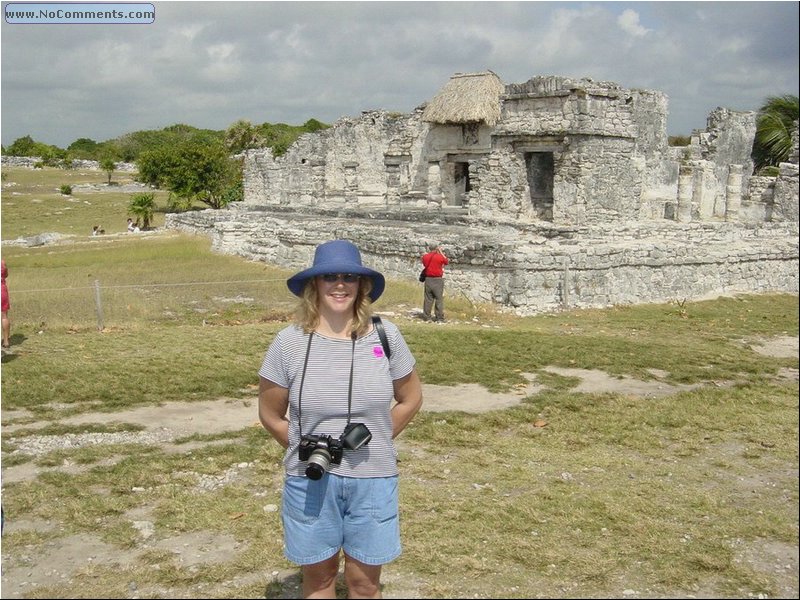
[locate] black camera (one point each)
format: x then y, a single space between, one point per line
322 450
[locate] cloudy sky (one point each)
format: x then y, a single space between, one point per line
208 64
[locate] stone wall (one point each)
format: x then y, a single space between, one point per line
499 187
335 167
785 197
608 147
526 268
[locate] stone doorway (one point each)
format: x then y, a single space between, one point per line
462 184
540 170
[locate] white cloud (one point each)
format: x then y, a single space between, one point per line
223 63
629 23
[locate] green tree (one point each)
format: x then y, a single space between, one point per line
142 207
27 146
279 136
130 146
153 166
774 124
84 148
24 146
194 170
203 172
313 125
109 166
242 136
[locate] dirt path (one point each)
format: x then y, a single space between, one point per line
177 419
173 420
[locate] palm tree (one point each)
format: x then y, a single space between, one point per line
109 166
142 207
242 136
774 125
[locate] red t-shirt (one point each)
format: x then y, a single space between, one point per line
434 261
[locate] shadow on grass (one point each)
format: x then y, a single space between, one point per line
291 586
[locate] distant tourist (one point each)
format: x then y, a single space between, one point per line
133 227
97 230
6 307
434 262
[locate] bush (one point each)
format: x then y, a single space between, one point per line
178 204
142 207
679 140
66 190
769 171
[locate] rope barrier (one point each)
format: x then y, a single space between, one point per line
153 285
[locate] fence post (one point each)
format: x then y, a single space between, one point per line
98 304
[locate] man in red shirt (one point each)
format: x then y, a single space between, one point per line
434 262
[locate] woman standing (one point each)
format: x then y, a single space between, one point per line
6 307
332 373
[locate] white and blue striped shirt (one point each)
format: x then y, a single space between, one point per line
325 391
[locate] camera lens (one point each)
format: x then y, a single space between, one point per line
318 463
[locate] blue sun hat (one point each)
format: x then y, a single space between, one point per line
337 256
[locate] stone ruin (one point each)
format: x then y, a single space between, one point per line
550 194
32 162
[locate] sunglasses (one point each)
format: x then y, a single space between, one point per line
334 277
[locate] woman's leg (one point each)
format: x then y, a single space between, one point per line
319 579
363 581
6 330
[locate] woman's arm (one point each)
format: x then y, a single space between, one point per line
273 400
408 398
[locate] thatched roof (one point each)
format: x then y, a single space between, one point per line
467 98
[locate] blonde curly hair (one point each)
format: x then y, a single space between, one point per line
307 311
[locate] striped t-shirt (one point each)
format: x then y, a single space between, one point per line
325 391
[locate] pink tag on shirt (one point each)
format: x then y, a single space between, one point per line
377 351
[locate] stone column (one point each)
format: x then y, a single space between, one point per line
733 193
392 183
405 177
318 181
683 214
705 189
350 183
435 182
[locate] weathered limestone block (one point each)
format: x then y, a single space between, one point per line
785 207
529 269
734 193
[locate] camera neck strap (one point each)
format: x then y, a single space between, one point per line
303 379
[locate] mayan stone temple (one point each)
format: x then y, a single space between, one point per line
551 194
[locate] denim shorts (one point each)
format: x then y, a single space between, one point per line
357 515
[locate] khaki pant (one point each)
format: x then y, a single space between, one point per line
434 295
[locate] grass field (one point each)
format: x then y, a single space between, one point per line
33 202
693 494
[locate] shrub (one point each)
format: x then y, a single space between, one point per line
178 204
769 171
142 207
66 190
679 140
